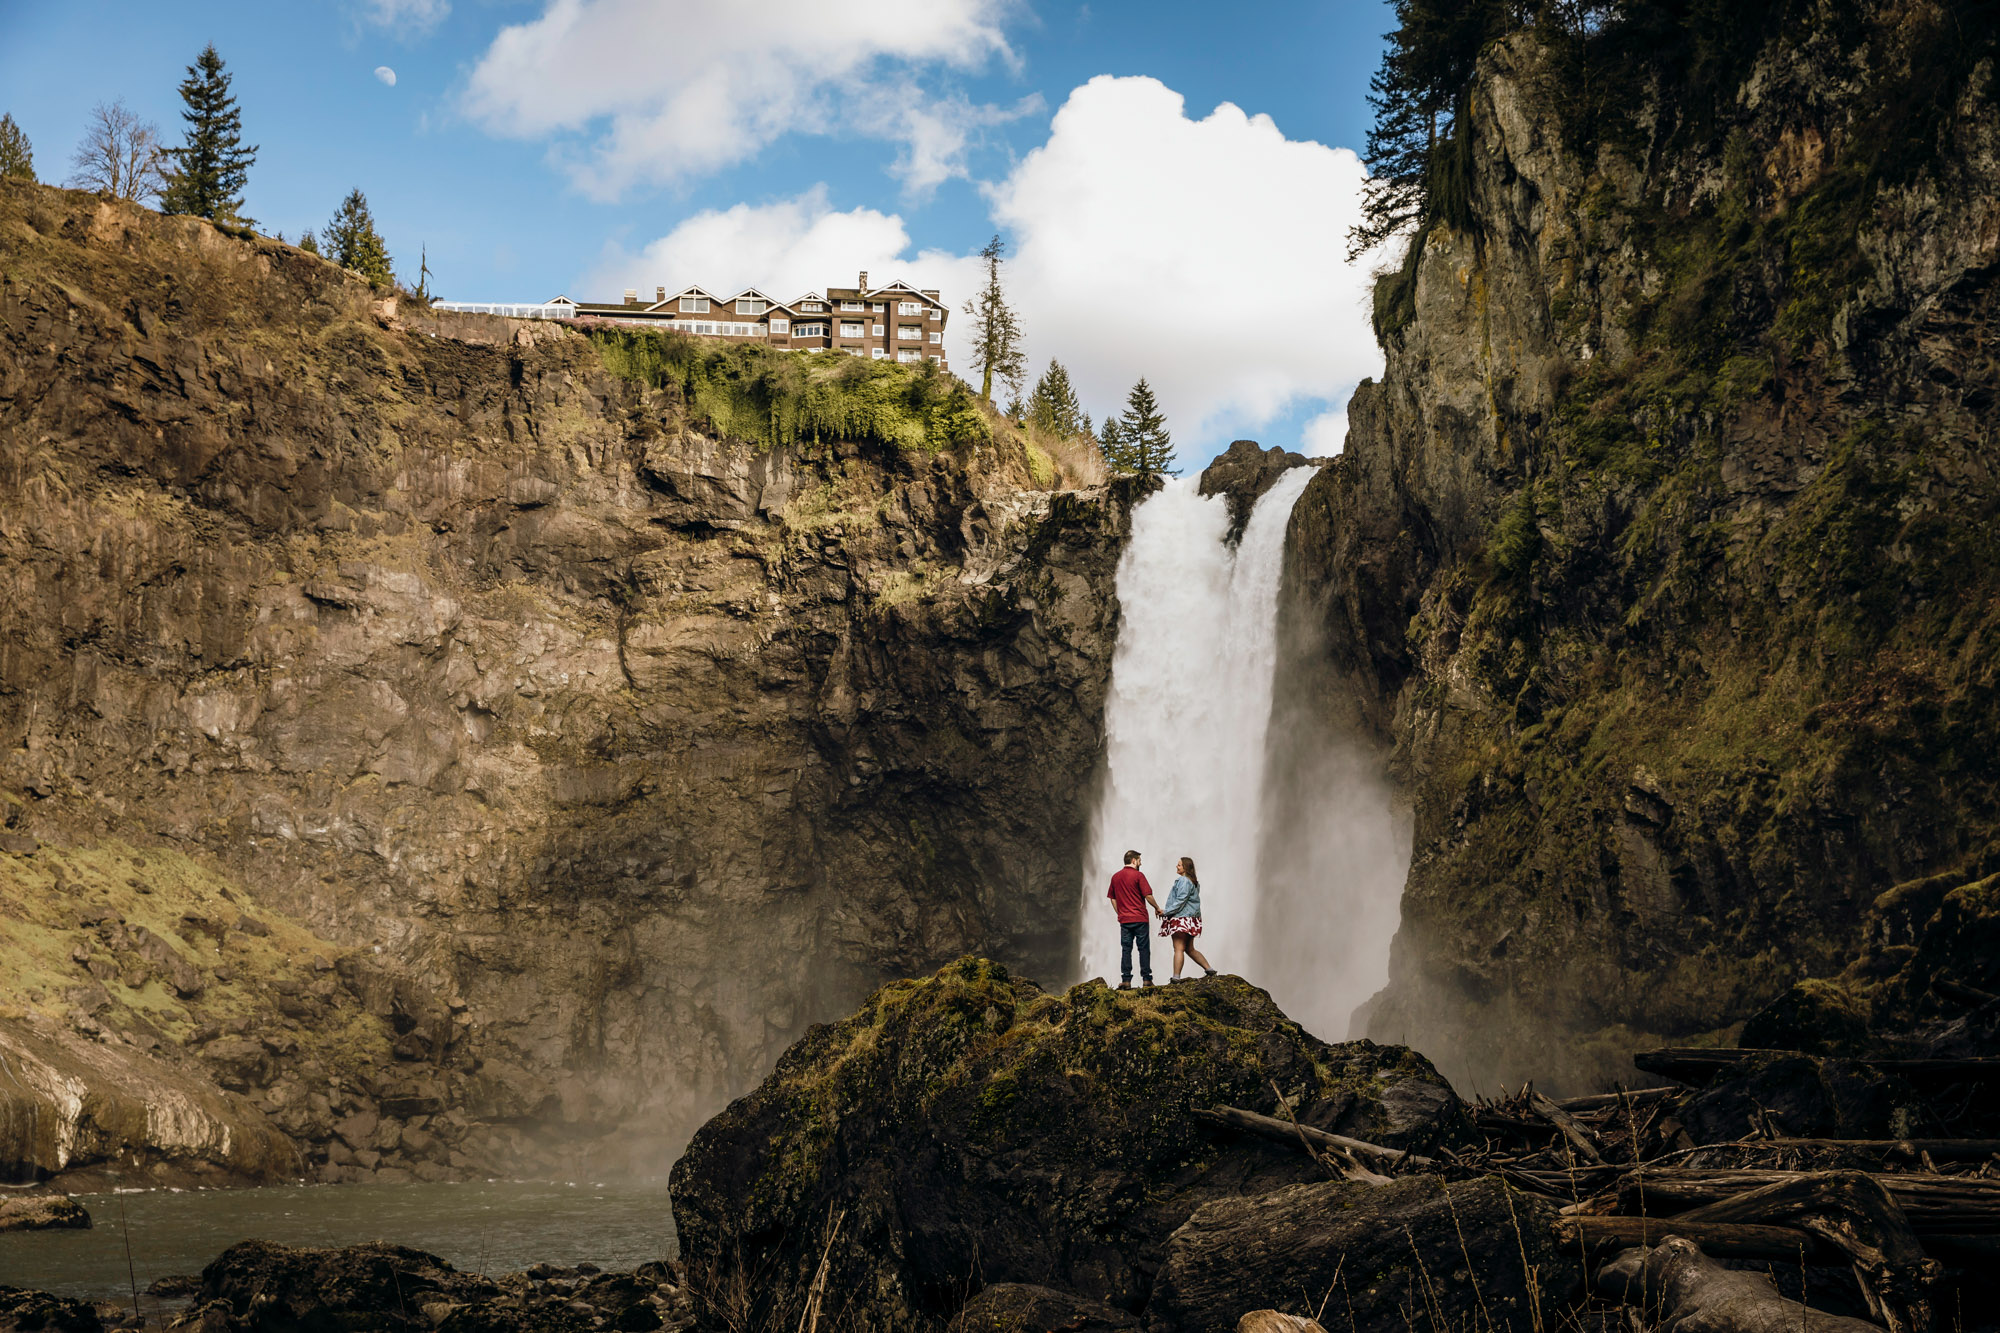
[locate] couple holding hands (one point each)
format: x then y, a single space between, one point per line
1180 919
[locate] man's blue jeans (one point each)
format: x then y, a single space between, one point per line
1128 931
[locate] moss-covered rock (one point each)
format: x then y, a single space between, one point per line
969 1128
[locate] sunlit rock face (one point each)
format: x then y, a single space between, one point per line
591 755
1661 559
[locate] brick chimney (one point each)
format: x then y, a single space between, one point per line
659 293
631 296
864 280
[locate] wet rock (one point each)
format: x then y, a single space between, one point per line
970 1124
1472 1253
1020 1307
1816 1017
38 1310
1243 472
40 1211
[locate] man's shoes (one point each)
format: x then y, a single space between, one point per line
1147 983
1124 985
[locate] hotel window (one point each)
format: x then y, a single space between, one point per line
878 330
694 305
877 307
850 330
879 353
809 331
852 305
910 333
855 351
936 313
909 308
909 354
937 337
750 306
781 325
812 307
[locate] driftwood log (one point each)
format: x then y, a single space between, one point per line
1933 1205
1725 1240
1701 1064
1853 1213
1289 1134
1676 1286
1578 1137
1597 1101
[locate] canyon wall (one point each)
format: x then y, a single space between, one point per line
1661 562
423 740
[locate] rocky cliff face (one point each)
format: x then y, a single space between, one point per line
1661 560
425 741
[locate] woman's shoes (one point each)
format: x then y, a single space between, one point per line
1208 971
1175 981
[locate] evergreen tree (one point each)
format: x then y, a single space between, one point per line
212 166
1053 408
309 242
996 329
17 156
352 241
1014 409
1143 433
1111 443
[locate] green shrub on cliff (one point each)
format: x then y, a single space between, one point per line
776 397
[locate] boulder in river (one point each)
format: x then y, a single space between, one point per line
969 1128
41 1211
46 1313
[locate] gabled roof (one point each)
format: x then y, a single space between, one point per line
902 289
685 291
559 300
752 291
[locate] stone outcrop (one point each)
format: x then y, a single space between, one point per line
434 739
970 1129
1243 472
1660 561
42 1210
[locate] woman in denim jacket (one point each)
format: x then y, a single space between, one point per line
1181 917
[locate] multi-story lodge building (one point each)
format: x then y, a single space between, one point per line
896 322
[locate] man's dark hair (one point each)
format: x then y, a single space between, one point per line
1130 857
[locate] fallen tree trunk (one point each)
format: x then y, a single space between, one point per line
1566 1123
1289 1134
1700 1064
1597 1101
1676 1286
1943 1150
1933 1205
1726 1240
1850 1212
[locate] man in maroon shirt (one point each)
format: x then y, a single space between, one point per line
1132 894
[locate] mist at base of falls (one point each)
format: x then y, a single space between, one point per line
1300 852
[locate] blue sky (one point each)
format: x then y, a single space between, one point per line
585 145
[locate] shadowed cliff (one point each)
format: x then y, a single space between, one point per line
1661 561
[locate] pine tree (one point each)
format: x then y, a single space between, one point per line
352 241
17 155
1053 408
996 330
1143 433
309 242
212 166
1111 443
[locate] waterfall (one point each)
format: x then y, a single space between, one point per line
1304 910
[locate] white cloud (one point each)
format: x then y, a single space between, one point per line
662 89
1208 256
387 75
410 16
785 249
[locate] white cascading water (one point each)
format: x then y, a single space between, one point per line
1186 732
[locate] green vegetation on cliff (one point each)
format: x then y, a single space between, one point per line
777 398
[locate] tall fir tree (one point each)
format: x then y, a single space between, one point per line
1143 430
996 329
17 155
352 242
1053 408
1111 443
210 169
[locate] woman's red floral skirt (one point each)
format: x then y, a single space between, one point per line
1180 925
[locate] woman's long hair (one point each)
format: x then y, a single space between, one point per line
1193 878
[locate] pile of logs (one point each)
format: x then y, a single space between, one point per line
1668 1232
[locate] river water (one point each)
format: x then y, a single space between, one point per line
1303 904
479 1226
